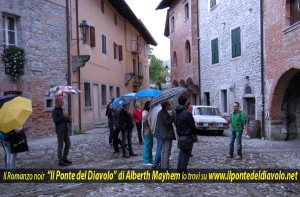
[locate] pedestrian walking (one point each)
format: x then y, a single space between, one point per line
164 130
126 126
186 130
109 115
137 118
152 121
237 121
190 110
63 139
148 136
116 128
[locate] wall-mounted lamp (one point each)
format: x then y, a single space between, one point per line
84 30
232 87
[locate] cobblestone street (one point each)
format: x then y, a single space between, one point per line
91 151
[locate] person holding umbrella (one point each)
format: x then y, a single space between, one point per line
126 126
60 120
137 118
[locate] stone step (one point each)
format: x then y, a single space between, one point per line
101 125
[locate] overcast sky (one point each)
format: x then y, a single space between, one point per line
154 20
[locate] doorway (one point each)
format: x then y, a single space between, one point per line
250 109
96 102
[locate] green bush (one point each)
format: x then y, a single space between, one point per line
14 59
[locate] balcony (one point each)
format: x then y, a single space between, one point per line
136 47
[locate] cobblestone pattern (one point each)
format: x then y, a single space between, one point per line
91 151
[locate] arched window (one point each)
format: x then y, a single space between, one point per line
174 59
187 52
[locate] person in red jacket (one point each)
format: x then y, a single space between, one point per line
137 118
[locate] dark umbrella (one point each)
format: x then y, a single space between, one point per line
4 99
167 94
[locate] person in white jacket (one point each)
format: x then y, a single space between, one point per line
152 117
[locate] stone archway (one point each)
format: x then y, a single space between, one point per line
175 84
285 106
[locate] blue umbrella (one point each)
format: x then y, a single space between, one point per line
126 98
147 93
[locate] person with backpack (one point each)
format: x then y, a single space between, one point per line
116 128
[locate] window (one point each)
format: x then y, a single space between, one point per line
115 19
103 93
214 51
104 44
117 92
120 53
224 101
236 42
48 104
207 98
116 51
187 52
134 66
92 36
111 92
9 25
213 3
172 27
186 11
140 69
295 11
102 6
87 94
174 59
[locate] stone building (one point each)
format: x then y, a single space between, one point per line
282 68
230 51
181 28
39 27
117 43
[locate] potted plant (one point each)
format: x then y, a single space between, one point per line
14 59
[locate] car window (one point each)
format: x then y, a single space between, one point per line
207 111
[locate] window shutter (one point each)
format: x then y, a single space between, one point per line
92 37
236 42
120 53
115 50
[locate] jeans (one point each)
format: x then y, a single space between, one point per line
157 158
116 140
183 160
238 136
61 139
10 158
147 151
139 131
166 153
126 140
111 132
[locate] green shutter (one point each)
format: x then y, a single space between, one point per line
215 51
236 42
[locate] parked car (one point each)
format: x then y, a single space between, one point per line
208 118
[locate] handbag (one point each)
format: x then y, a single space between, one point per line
185 142
18 142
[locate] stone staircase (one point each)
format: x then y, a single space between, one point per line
101 125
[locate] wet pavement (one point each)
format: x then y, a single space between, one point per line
91 150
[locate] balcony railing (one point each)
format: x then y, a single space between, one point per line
136 47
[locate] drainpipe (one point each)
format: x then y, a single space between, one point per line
262 70
79 80
198 54
138 59
69 56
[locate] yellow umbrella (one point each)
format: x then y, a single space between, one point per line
14 113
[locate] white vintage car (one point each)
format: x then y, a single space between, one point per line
209 118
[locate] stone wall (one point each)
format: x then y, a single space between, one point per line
231 73
41 27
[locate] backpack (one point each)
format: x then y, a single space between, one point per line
115 114
3 136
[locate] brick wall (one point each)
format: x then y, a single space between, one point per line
41 27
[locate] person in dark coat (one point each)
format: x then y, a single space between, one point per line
109 115
164 130
126 126
60 120
185 126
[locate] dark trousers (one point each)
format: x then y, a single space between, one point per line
116 140
126 140
139 131
111 132
63 152
183 160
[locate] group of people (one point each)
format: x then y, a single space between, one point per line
156 122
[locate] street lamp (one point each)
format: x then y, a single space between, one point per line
84 30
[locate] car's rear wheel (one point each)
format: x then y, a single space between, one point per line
220 133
